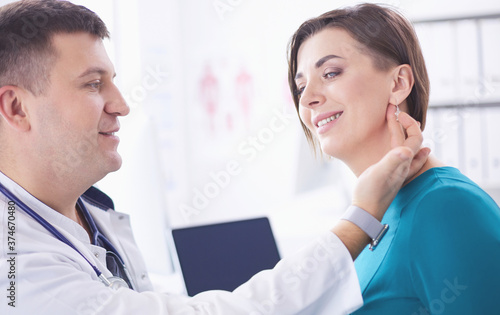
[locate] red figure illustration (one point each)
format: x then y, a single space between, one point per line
209 91
244 93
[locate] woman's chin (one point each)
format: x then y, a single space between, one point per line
331 150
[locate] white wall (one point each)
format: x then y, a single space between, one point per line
247 159
188 151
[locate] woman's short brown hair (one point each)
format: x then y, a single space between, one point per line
384 34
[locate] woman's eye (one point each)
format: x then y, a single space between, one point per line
299 91
331 74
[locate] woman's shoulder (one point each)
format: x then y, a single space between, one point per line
444 183
445 192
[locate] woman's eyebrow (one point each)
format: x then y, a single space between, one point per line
319 63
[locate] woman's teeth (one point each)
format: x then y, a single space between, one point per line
327 120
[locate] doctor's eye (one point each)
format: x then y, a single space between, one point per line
95 85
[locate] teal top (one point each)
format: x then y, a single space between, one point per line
441 254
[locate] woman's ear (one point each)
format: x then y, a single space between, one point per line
402 83
12 107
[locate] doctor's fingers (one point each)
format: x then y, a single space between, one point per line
418 161
404 130
414 137
395 129
378 185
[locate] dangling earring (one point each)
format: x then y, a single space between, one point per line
397 112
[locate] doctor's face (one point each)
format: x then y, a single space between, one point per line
75 120
343 97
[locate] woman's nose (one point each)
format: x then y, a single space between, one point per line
312 95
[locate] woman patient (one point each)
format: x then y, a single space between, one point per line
441 254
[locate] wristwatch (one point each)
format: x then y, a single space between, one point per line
367 223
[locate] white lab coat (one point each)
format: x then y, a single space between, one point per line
52 278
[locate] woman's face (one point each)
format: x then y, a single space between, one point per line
343 98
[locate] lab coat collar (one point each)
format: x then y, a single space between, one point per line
99 199
52 216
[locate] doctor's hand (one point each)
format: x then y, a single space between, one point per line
378 185
405 131
376 188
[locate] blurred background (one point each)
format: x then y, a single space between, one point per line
213 135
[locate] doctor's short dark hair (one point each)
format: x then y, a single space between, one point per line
382 33
26 31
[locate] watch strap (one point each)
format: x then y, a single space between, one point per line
367 223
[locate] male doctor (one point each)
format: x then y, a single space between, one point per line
64 250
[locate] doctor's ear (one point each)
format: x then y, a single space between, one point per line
12 107
402 83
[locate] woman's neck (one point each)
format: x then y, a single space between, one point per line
364 160
372 151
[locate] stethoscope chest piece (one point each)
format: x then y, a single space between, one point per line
117 283
114 282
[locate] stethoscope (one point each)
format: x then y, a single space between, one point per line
111 282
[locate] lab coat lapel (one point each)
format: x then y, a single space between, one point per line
116 226
106 226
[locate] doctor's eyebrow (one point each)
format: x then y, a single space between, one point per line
97 70
318 64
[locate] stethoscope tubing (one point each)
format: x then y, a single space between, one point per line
52 229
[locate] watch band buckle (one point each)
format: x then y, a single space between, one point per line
377 239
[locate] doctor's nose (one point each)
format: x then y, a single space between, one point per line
116 104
